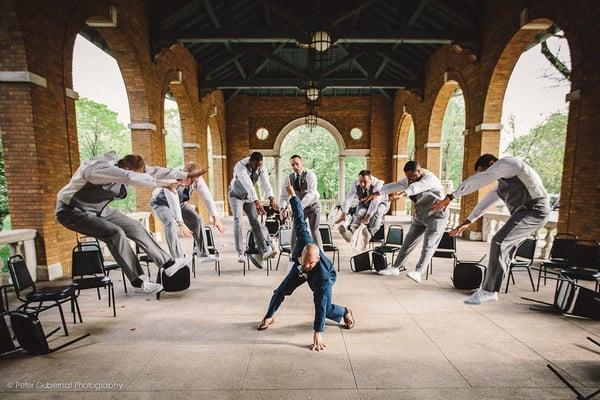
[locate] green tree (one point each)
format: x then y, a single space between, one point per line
4 211
543 148
174 138
99 131
320 153
452 139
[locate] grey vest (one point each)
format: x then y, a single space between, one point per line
95 198
515 194
237 190
184 193
300 185
424 202
361 193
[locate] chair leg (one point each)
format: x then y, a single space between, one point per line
98 290
73 310
148 268
539 277
278 258
62 318
112 293
194 265
508 279
77 308
531 278
124 281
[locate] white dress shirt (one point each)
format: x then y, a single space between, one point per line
175 205
311 196
377 185
427 182
506 167
241 172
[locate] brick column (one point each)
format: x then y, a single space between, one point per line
399 206
149 143
484 139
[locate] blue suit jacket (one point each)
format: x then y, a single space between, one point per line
322 277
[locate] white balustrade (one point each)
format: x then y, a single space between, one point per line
22 241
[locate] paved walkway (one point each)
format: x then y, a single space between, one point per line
411 342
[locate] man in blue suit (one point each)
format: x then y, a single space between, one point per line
312 266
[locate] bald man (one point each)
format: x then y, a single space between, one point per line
309 265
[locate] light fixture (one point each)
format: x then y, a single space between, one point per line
320 41
312 93
310 119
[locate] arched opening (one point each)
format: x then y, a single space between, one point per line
343 165
102 109
405 151
173 132
526 100
216 161
445 146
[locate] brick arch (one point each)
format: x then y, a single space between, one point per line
218 153
452 81
401 157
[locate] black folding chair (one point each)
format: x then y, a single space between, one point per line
523 258
88 273
561 255
273 225
585 265
446 249
251 249
378 237
285 243
328 246
107 264
361 262
393 241
57 295
210 247
29 333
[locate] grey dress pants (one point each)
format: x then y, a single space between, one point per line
191 219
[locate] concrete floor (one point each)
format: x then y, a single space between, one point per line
410 342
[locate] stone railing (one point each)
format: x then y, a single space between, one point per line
21 241
327 205
493 221
220 207
142 217
454 218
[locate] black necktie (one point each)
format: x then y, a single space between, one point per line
297 182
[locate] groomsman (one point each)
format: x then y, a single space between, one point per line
181 219
305 186
522 190
424 189
243 199
369 211
82 207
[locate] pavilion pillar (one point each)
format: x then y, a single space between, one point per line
342 178
399 206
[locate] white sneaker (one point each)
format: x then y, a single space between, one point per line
360 238
482 296
209 258
241 258
151 287
179 263
390 271
270 253
346 234
415 276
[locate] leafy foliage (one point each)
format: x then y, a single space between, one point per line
99 131
173 138
4 211
543 148
452 146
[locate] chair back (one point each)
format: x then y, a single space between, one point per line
272 225
563 247
285 237
19 274
379 261
395 235
586 255
87 260
326 236
379 236
29 333
251 243
210 240
361 262
447 242
526 249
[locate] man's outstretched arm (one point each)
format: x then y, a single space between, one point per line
302 234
